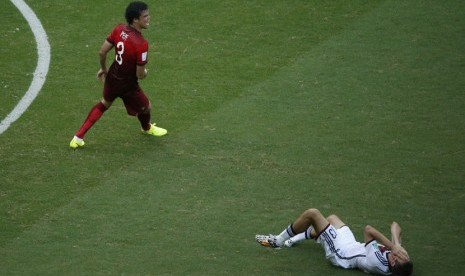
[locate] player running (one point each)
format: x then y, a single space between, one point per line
121 80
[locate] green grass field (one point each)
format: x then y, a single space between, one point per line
354 107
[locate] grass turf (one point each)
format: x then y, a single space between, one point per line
273 107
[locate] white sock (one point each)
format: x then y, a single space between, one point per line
285 235
303 236
299 237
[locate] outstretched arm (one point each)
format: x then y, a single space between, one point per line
371 233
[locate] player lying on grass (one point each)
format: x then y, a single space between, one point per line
121 80
377 255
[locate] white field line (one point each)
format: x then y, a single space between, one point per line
43 50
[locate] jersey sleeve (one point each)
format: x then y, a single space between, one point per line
142 53
112 35
376 261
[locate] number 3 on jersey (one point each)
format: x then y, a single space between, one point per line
119 52
332 233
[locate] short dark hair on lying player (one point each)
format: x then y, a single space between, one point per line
404 269
134 10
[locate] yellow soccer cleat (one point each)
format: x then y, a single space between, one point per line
155 131
76 142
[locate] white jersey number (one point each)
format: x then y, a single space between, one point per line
119 52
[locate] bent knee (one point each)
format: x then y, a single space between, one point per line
106 103
312 212
335 221
148 108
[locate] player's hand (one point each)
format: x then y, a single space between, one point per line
400 252
101 74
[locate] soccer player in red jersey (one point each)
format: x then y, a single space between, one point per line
121 80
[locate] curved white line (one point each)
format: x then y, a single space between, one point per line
43 50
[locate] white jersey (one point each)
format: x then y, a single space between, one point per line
343 250
376 260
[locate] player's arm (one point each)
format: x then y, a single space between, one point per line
141 72
396 238
370 234
142 54
106 47
396 231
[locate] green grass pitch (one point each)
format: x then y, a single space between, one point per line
354 107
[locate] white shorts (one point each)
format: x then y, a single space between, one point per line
340 246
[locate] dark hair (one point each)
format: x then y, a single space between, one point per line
134 10
404 269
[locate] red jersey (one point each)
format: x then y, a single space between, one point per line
131 49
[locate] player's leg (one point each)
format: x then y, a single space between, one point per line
335 221
94 115
308 234
311 234
144 118
311 217
139 105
